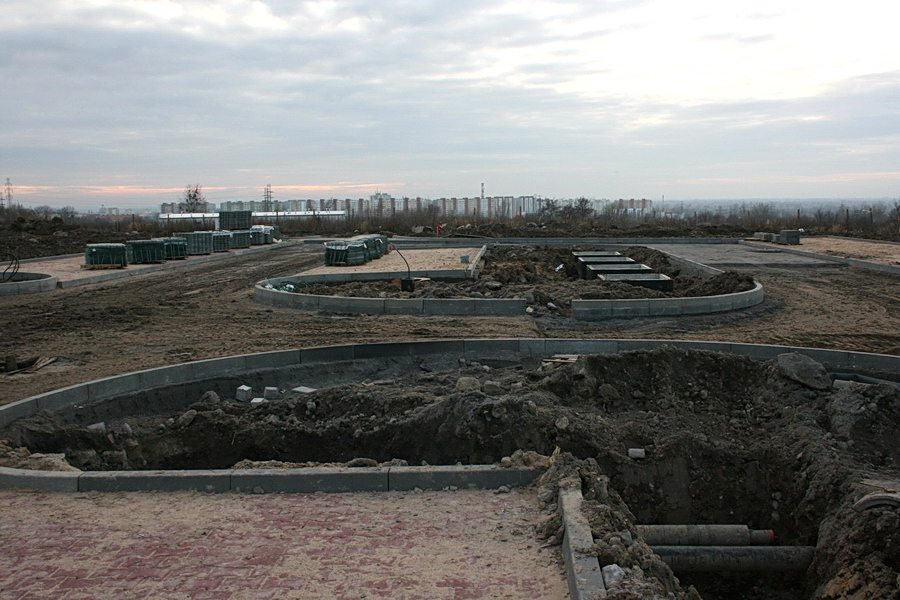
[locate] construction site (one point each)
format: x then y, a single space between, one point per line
456 418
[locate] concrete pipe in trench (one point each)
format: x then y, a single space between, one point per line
705 535
683 559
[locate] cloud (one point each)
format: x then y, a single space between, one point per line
431 97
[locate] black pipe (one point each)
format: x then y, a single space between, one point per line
684 559
705 535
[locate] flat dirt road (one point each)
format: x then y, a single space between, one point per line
206 311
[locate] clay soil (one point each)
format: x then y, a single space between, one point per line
797 454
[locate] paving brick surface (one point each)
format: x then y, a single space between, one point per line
442 545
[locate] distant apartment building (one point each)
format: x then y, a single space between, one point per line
168 208
382 204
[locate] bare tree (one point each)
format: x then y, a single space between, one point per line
193 198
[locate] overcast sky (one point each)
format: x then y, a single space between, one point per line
126 102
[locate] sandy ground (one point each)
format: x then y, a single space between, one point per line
419 260
441 545
880 252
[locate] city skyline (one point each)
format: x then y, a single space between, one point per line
125 103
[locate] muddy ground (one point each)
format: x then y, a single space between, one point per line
728 439
546 277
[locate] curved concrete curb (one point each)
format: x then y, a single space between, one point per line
583 310
186 380
28 283
591 310
390 306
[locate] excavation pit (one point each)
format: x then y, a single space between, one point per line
726 438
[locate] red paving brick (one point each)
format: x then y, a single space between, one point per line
442 545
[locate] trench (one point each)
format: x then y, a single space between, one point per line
725 439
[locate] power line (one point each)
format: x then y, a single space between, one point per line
267 197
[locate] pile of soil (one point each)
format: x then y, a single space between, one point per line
727 440
547 278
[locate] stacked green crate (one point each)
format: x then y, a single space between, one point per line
176 247
106 254
145 251
221 241
357 253
335 253
235 219
199 242
257 237
240 239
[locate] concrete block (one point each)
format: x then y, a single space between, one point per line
243 393
319 354
451 306
695 306
68 396
882 363
665 307
270 393
51 481
360 306
214 367
258 401
381 350
316 479
590 310
404 306
271 360
533 347
758 351
110 387
573 346
461 476
506 306
172 375
17 410
438 347
720 303
491 348
165 481
629 308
